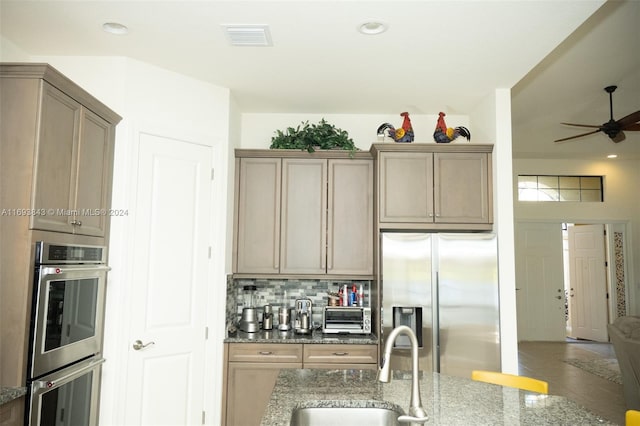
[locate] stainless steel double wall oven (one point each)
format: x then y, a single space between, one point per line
65 346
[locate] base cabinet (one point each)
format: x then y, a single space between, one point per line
252 370
249 389
12 413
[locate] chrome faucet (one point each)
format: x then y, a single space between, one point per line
417 413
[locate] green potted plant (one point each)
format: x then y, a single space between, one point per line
310 137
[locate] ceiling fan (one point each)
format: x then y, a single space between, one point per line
612 128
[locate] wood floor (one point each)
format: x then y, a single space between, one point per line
544 360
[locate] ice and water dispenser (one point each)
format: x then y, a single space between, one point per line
411 316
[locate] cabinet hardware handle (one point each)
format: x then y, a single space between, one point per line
558 297
341 353
265 353
76 222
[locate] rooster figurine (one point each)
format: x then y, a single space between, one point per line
444 134
403 134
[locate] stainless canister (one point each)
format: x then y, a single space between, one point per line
267 318
284 318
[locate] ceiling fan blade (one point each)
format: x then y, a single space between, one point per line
632 127
632 118
582 125
577 136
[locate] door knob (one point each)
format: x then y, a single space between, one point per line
137 345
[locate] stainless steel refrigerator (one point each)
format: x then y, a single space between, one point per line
444 286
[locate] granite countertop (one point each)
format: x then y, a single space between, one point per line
316 337
448 400
8 394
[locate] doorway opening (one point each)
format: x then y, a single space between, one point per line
550 307
594 279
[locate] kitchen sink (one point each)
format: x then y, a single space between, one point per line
370 416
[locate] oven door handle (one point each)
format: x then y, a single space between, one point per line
50 384
54 270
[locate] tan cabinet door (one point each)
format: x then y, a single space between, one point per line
304 216
249 390
406 187
252 371
73 169
55 169
461 190
441 189
350 217
258 216
95 153
303 244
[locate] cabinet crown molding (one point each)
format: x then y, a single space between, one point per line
296 153
54 77
429 147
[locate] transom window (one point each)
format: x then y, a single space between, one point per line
560 188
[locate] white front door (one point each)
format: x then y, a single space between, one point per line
539 282
168 292
588 290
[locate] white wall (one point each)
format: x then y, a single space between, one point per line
621 203
257 129
492 119
9 52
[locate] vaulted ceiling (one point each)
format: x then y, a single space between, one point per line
434 56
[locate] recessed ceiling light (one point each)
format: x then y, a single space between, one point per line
372 27
115 28
612 156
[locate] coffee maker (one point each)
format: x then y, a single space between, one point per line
249 319
302 322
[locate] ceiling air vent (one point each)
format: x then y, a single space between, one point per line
248 35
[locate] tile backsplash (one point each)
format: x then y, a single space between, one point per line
284 292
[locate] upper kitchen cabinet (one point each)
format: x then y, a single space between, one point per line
316 213
257 218
350 217
66 137
303 247
434 186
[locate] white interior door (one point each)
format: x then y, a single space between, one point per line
588 291
169 288
539 282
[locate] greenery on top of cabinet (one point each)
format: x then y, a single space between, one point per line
309 137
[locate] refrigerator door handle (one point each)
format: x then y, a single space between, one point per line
435 321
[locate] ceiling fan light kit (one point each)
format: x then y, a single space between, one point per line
612 128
